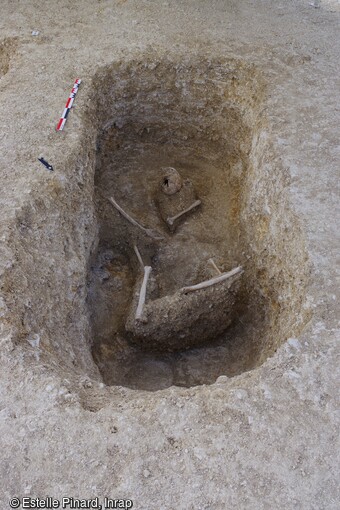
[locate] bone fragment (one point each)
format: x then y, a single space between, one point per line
213 281
212 263
170 221
142 294
151 233
139 257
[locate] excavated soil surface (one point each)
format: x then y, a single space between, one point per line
241 97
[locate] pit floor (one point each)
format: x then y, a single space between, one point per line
133 174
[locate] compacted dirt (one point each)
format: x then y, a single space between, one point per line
242 98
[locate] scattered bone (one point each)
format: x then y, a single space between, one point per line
172 181
139 257
171 221
141 302
212 263
176 195
142 294
183 320
150 232
213 281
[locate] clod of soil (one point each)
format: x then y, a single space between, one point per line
182 320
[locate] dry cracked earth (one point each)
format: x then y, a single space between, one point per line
243 99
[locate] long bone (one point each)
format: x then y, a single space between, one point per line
142 294
212 281
171 221
151 233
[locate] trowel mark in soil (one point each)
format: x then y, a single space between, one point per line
8 48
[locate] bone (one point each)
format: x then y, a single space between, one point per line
213 281
212 263
171 221
139 257
148 231
142 294
172 181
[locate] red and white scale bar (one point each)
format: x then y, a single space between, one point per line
68 105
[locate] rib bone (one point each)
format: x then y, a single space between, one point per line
151 233
139 257
170 221
212 263
142 294
212 281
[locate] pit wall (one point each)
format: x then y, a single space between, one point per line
56 232
43 288
278 264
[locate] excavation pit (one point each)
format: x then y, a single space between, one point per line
70 303
204 120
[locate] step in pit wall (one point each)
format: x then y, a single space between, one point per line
43 287
278 266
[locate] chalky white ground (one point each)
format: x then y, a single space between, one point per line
266 439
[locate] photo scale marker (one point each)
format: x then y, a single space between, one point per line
68 106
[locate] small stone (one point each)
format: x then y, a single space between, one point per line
294 342
34 340
87 383
35 32
222 379
241 394
146 473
